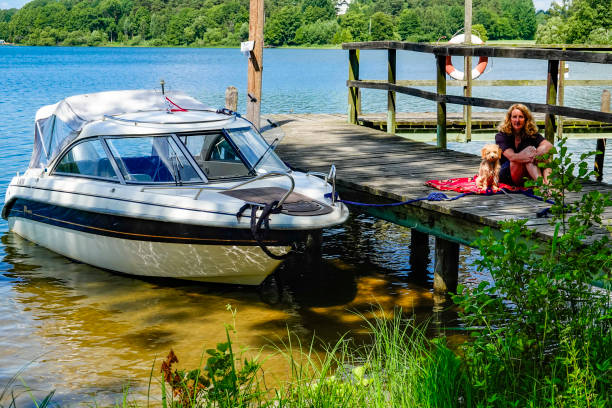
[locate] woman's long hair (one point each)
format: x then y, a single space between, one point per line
530 128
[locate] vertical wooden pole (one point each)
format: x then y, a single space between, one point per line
391 77
467 90
560 97
256 26
419 257
446 269
601 143
231 98
441 89
353 94
551 98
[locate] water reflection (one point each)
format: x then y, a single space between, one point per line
86 331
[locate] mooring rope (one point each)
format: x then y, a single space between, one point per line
438 196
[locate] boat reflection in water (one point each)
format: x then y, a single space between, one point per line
86 332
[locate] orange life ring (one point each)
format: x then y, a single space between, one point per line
477 71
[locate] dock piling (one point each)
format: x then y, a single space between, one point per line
446 269
231 98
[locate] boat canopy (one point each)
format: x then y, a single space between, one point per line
59 124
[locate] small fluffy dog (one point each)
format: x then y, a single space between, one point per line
488 173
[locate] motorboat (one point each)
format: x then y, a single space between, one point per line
158 184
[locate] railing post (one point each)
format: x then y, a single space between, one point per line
561 96
551 98
353 94
601 143
441 90
391 58
467 90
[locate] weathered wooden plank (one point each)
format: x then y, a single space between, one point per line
486 102
602 56
495 82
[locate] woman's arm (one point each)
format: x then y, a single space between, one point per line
524 156
543 147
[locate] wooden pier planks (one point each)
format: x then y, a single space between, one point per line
375 166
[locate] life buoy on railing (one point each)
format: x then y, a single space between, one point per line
477 71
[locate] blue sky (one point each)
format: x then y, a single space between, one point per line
6 4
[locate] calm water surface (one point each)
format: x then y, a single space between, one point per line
87 332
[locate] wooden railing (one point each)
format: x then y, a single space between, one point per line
550 108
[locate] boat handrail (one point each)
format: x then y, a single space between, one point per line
327 177
224 188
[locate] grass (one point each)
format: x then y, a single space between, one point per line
399 367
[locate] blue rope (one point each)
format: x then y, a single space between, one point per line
434 196
438 196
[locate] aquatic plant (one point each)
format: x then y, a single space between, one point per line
541 331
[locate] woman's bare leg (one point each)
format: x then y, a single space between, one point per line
533 170
518 172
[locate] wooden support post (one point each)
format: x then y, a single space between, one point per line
231 98
446 269
391 77
467 90
353 94
256 26
561 96
551 98
601 143
419 257
441 90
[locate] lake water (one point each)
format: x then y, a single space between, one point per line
87 333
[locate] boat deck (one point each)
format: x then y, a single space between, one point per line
377 167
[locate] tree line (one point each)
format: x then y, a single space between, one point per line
288 22
577 22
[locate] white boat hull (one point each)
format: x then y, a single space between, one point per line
246 265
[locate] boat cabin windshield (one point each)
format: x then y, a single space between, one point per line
258 154
234 153
220 155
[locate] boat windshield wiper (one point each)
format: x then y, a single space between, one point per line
270 147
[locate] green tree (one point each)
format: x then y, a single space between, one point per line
408 25
175 31
321 32
357 24
382 27
282 26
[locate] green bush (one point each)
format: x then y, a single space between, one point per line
541 332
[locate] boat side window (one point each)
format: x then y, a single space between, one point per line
155 159
215 155
87 158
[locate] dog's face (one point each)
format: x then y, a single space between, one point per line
491 153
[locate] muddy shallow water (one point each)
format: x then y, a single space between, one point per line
87 333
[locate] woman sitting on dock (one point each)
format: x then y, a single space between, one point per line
521 145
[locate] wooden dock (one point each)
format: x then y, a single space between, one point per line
484 124
376 167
